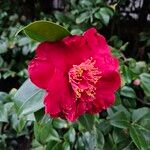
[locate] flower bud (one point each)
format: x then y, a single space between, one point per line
136 82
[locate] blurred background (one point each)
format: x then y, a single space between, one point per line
124 23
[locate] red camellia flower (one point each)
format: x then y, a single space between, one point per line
79 74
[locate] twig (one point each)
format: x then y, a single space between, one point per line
143 102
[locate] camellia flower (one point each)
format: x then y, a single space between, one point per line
79 74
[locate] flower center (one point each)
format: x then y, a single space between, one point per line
83 79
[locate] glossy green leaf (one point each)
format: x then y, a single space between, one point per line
59 123
86 122
76 31
100 139
120 120
3 47
23 41
1 61
53 135
140 67
128 92
18 123
104 126
130 146
129 102
145 122
29 98
79 143
39 115
138 138
127 74
124 46
82 17
3 113
44 131
145 83
66 146
89 140
104 14
53 145
120 135
45 31
93 140
70 135
140 114
110 144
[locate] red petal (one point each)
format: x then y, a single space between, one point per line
104 100
52 104
81 108
109 82
40 69
96 42
60 96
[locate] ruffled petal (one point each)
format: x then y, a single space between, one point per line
52 104
110 82
110 78
96 42
61 96
81 108
104 100
40 69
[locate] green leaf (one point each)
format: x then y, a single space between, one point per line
89 140
70 135
140 67
23 41
140 113
120 120
44 131
29 98
1 61
18 123
130 146
45 31
104 126
124 46
128 92
66 146
3 96
104 14
138 138
39 115
79 144
120 135
93 140
3 113
82 17
86 122
110 144
59 123
127 74
145 83
100 140
76 31
145 122
53 145
3 47
129 102
36 145
53 135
